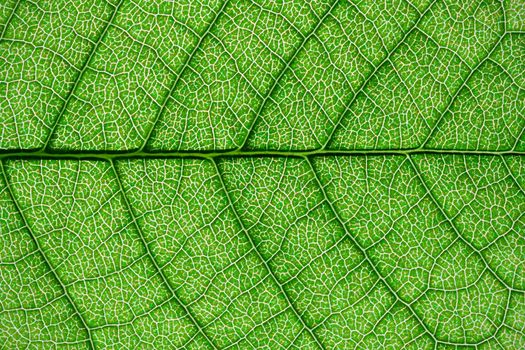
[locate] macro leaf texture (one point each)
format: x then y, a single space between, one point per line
262 174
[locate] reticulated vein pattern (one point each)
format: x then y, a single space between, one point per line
235 174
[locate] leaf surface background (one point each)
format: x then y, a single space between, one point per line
262 174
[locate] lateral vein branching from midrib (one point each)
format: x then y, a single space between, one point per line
9 19
363 251
518 138
441 209
365 82
165 281
504 161
78 78
185 65
280 75
263 261
44 257
460 88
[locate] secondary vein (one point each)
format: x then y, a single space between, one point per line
46 260
154 261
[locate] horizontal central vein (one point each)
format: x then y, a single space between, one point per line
114 155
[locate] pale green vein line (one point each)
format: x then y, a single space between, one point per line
263 261
246 337
512 175
356 302
9 19
47 50
79 76
519 331
441 209
504 318
363 251
518 138
376 324
48 263
504 10
276 81
136 317
186 64
365 83
153 260
292 343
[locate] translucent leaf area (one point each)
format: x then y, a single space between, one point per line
262 174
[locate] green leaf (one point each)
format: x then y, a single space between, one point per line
262 174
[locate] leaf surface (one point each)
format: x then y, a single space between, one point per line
262 175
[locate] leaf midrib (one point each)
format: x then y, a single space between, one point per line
115 155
